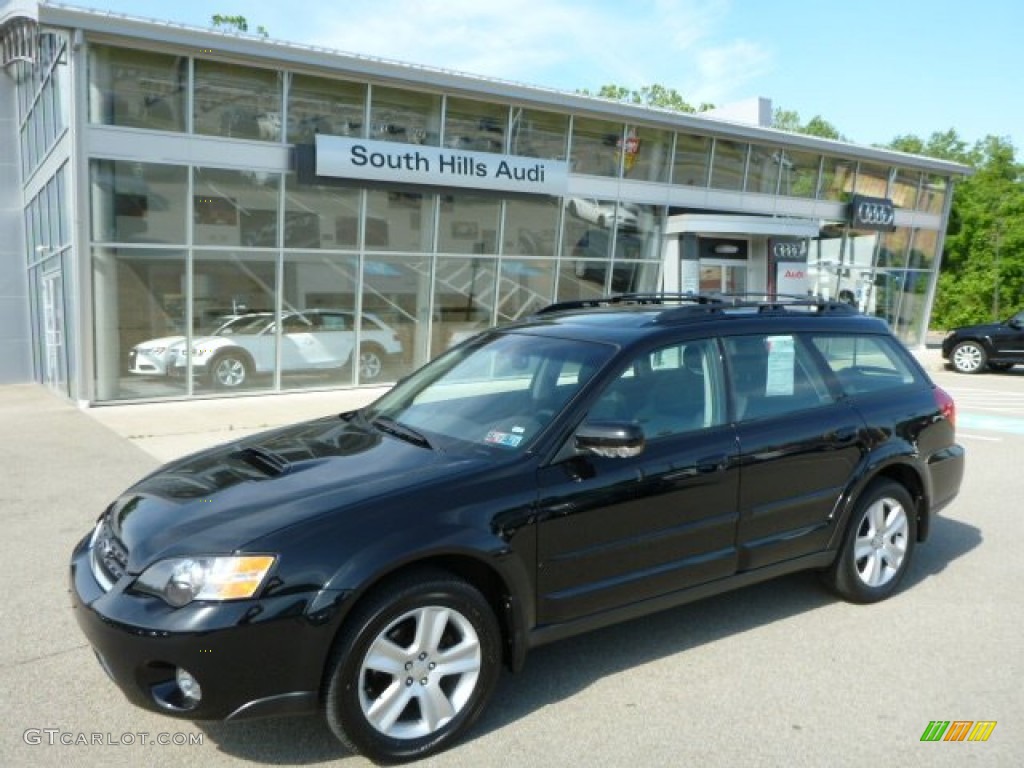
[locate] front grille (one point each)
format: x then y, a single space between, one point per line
109 556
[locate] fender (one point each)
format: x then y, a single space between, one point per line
465 550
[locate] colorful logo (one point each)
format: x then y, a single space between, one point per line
958 730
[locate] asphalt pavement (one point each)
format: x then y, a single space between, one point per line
779 674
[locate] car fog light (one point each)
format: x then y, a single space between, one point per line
189 686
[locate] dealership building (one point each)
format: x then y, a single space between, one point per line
187 212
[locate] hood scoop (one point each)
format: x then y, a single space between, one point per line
266 461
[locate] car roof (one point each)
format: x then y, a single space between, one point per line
627 318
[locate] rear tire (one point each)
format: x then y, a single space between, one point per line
413 668
878 545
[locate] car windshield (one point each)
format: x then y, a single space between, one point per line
246 324
497 392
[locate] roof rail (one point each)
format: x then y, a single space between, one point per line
630 298
698 304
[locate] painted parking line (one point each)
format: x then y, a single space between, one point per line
990 423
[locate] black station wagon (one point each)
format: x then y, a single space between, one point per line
597 462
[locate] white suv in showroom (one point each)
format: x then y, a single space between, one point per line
311 340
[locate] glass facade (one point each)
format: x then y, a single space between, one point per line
209 279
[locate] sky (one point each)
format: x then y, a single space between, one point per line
875 69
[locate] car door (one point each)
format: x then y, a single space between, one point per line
799 445
1008 339
614 531
298 342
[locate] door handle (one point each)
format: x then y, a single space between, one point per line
710 464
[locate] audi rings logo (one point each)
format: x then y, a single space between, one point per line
790 251
872 213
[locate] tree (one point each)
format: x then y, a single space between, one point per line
237 23
648 96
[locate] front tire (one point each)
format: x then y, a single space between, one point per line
414 668
969 357
371 363
878 545
229 370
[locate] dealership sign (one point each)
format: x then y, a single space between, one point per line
349 158
877 214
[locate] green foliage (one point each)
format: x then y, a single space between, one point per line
237 23
648 96
789 120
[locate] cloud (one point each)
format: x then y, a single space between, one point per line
564 44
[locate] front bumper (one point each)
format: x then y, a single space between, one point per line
251 657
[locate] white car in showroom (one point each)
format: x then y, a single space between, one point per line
311 340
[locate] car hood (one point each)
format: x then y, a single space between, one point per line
165 341
218 500
978 330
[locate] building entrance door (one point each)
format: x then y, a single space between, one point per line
722 276
54 357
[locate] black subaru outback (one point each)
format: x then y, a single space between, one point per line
599 461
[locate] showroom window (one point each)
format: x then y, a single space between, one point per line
468 223
399 221
135 202
763 169
237 102
319 105
539 134
728 164
799 173
596 147
872 180
406 117
647 155
137 89
531 226
235 208
477 126
836 179
905 185
690 166
320 216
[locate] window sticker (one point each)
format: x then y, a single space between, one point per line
781 365
506 439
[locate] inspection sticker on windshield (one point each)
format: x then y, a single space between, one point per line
503 438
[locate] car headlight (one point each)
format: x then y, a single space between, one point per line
180 580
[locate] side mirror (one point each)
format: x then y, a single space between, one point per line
610 439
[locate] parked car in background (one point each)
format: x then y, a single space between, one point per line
604 213
598 462
988 346
245 345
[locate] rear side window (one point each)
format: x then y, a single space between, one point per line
866 363
772 375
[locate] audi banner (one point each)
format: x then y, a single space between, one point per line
877 214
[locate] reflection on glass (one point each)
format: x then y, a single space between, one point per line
140 315
407 117
799 173
872 180
892 248
319 105
478 126
647 154
728 164
235 208
902 302
468 224
138 202
690 167
235 345
763 169
396 290
539 134
904 188
596 147
137 89
924 249
933 194
524 286
531 225
320 216
463 299
397 220
836 179
236 101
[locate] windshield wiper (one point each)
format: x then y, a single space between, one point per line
410 435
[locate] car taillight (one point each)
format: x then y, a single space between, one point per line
946 405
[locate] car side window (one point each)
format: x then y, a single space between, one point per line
866 363
671 390
333 322
772 375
